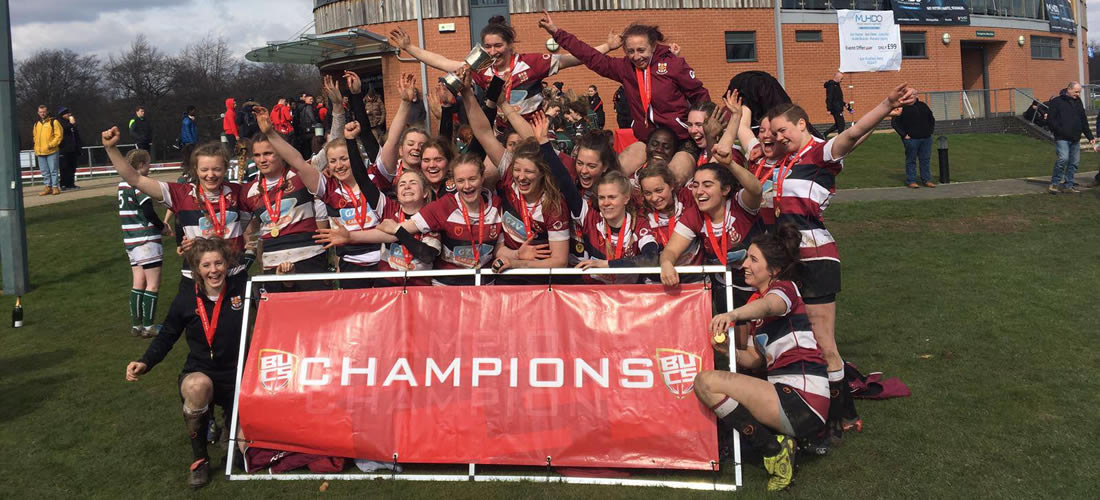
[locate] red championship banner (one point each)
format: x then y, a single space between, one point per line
589 376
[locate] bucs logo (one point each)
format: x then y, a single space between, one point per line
678 369
662 68
276 368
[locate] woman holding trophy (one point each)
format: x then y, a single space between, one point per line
520 75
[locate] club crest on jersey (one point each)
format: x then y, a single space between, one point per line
662 68
678 369
276 368
450 186
236 303
522 77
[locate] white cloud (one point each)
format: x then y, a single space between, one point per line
109 29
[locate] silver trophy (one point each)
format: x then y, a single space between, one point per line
478 59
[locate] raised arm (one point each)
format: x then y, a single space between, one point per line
569 191
402 40
406 87
293 159
358 168
614 41
479 123
359 112
128 174
902 95
586 54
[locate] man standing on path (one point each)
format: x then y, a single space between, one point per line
1067 121
915 124
69 149
140 131
189 136
834 103
47 136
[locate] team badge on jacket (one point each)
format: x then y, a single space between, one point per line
662 68
236 303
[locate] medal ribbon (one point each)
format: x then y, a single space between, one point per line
526 214
507 91
359 203
219 224
643 90
208 327
480 229
622 237
722 257
784 170
667 234
274 211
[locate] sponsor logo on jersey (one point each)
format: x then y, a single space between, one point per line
678 369
662 68
277 368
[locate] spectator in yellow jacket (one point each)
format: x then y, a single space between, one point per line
47 141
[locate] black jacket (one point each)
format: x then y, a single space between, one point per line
834 97
70 141
916 121
140 131
184 320
305 117
1067 119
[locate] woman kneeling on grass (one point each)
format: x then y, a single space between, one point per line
209 315
794 399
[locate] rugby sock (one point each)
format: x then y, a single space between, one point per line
757 434
135 306
148 307
196 421
837 391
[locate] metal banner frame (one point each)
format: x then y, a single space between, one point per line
472 475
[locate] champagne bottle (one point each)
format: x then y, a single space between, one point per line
17 314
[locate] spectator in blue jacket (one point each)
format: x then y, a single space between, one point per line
189 136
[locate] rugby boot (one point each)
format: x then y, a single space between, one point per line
200 474
780 466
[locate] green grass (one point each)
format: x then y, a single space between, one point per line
985 307
880 161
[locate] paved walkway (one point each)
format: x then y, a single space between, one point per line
108 186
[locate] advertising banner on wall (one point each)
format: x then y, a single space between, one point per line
941 12
1061 17
587 376
869 41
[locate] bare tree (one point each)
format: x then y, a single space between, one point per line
57 77
143 74
208 64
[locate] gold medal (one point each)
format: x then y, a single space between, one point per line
720 338
776 212
275 232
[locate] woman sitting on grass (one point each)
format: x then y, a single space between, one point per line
794 399
209 315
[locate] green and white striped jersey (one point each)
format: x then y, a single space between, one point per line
136 229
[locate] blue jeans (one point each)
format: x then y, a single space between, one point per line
914 149
1065 167
50 171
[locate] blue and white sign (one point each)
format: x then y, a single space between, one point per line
869 41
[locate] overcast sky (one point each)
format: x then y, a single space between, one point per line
106 27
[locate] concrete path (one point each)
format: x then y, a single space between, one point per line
108 186
973 189
98 186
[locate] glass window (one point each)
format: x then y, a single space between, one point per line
740 46
1046 47
807 35
913 45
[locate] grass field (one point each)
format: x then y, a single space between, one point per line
880 161
985 307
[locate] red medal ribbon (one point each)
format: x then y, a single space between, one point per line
667 234
219 224
622 237
643 91
400 169
480 229
722 257
208 327
274 211
785 170
507 91
359 203
526 214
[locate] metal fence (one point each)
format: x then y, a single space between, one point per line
980 103
98 164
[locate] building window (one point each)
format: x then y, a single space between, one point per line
1069 41
807 36
913 45
740 46
1046 47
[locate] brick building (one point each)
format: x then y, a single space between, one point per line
1009 44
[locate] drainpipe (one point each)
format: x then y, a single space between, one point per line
423 67
779 73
